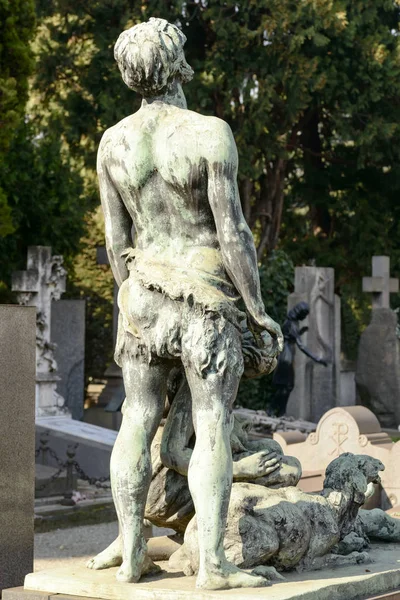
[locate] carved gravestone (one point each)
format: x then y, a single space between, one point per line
378 361
316 387
345 429
39 285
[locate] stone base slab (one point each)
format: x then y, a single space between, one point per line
356 582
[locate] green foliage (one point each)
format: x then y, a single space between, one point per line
44 197
94 283
17 26
276 276
311 90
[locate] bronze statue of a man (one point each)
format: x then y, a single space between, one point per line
171 174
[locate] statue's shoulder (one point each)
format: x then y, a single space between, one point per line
209 122
111 137
214 136
116 131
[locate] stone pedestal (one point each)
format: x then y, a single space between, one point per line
17 442
316 387
352 582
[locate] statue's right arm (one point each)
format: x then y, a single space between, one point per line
234 235
118 223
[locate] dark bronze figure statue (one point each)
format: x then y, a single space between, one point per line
283 379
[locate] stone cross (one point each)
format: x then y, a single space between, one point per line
381 285
39 285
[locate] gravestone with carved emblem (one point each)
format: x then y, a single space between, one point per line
345 429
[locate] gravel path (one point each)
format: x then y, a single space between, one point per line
72 546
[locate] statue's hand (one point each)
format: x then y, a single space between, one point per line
271 333
257 465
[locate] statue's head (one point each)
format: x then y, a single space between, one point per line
299 312
150 56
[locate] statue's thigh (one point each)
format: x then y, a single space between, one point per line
211 345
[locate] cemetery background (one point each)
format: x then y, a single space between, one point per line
316 122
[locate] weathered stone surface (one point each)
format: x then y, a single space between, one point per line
378 368
316 387
17 442
68 333
347 395
18 593
286 528
342 583
348 429
378 525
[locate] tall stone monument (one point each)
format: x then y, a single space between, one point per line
17 443
68 335
316 387
39 285
378 360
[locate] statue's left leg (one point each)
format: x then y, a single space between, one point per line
145 387
108 558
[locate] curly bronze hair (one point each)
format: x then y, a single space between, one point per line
150 55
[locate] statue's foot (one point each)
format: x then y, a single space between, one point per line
110 557
227 577
269 573
132 570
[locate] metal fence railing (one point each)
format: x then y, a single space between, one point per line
44 453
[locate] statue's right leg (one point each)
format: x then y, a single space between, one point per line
212 358
145 387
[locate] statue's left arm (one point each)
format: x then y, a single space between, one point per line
118 223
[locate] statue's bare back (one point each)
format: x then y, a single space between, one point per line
162 178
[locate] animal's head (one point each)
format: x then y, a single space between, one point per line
352 474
